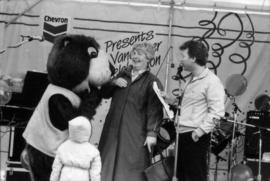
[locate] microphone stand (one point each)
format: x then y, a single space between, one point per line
176 120
231 155
259 176
177 125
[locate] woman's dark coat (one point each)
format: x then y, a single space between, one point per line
135 112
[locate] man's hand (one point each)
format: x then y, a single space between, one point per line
194 136
120 82
150 141
172 100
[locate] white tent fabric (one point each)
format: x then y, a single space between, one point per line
259 5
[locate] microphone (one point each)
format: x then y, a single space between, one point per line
178 75
30 38
236 108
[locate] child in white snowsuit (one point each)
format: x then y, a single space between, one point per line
77 159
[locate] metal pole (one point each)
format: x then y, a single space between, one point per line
175 178
231 155
170 55
259 177
23 12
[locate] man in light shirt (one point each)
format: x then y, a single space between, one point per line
202 103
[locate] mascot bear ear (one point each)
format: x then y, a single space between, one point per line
92 52
66 41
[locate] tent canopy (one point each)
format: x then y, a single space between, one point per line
249 5
235 31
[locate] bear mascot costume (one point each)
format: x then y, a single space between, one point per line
76 67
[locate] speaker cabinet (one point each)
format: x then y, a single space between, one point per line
252 135
17 174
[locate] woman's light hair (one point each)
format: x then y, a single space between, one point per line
147 48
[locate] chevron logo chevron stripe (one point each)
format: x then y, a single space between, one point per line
54 29
50 37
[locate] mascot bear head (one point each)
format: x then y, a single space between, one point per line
76 61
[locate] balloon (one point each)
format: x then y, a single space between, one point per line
241 172
236 85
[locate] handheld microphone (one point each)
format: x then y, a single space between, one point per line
178 75
30 38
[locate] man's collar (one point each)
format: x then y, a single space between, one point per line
202 74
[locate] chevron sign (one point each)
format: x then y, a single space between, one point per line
54 27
